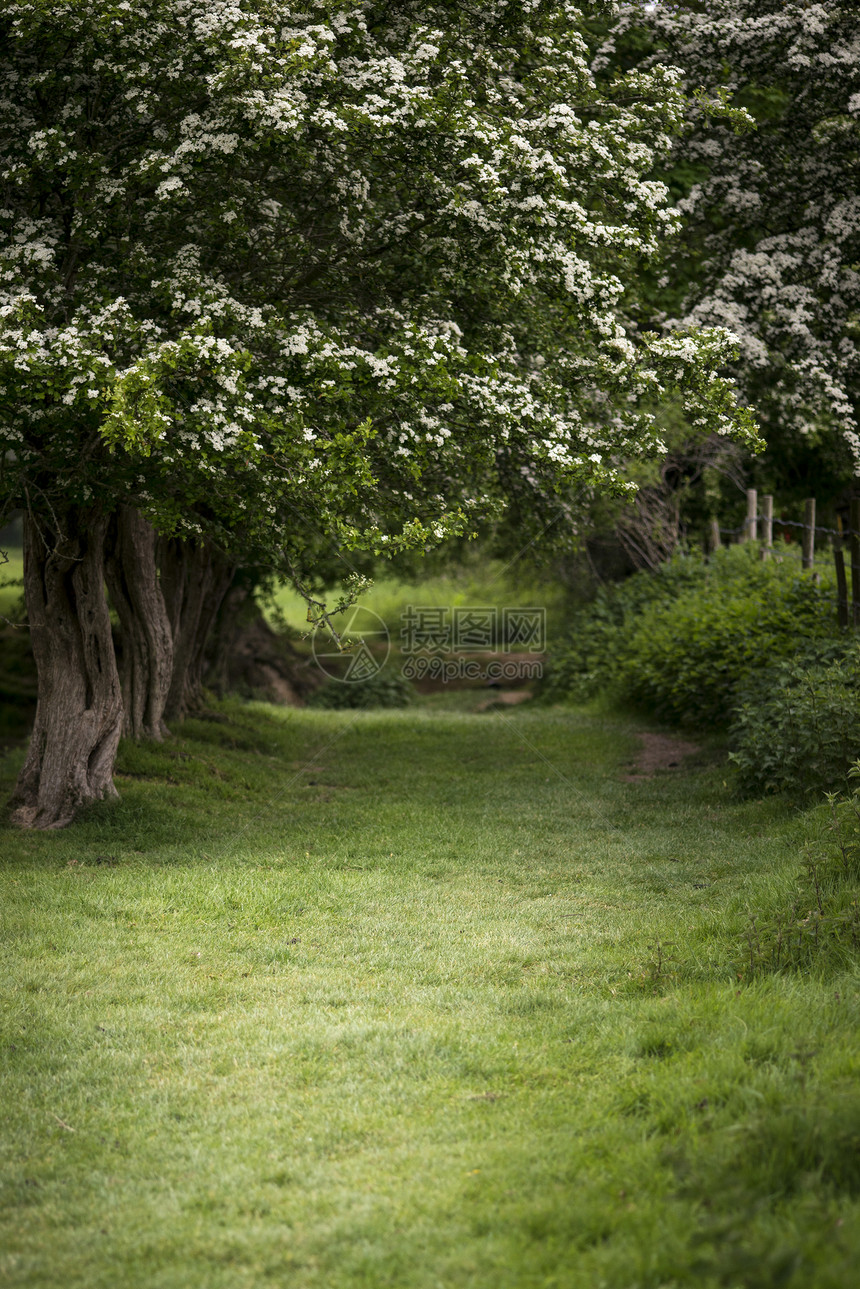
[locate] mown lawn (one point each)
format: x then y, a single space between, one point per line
423 998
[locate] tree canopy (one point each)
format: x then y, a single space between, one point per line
314 262
771 217
281 273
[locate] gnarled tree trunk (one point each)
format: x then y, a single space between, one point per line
231 617
244 653
195 578
72 751
146 656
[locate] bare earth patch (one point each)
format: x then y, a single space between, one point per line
505 698
657 752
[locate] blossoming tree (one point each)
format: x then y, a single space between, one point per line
279 272
771 242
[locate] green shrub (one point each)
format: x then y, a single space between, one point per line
587 660
686 661
385 689
796 729
682 642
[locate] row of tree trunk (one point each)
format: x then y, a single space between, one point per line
167 596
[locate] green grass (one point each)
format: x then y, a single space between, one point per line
479 582
11 582
338 1000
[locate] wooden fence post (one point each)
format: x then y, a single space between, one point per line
748 532
841 581
854 547
766 526
808 558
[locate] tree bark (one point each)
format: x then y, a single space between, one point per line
146 656
195 578
73 748
228 624
245 655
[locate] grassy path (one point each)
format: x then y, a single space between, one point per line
331 1001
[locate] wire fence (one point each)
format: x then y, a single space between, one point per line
759 526
779 522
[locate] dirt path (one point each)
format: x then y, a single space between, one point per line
657 752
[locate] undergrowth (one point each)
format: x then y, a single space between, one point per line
680 642
382 689
730 643
796 727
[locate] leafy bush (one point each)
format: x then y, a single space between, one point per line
796 729
682 642
385 689
686 662
586 662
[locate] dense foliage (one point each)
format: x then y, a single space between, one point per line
796 728
771 238
686 662
680 643
732 644
276 269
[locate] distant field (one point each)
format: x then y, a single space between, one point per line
484 585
